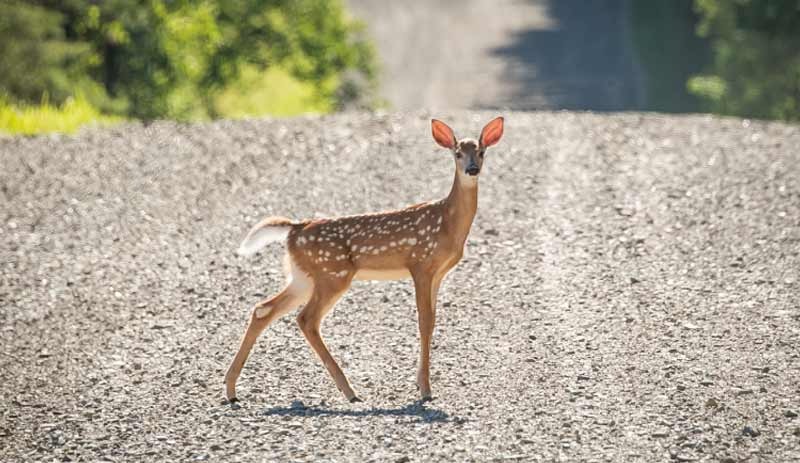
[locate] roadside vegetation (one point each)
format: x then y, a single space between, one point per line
71 62
755 70
739 58
29 119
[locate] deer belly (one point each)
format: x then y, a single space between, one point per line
382 274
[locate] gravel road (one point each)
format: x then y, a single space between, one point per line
629 293
517 54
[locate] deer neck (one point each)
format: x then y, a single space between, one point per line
461 205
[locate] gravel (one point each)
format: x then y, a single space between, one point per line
628 277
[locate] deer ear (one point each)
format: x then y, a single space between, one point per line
492 132
443 134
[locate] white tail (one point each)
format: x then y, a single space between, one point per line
267 231
324 256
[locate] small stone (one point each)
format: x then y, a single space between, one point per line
684 457
790 414
750 431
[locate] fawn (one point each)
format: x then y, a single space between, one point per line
422 242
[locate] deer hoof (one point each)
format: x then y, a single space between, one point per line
355 399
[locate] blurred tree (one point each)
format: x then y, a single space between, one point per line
37 60
170 58
756 66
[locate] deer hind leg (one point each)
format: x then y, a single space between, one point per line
309 320
264 313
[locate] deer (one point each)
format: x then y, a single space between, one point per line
422 242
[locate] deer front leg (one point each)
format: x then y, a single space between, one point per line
426 287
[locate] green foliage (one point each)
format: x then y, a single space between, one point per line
44 117
756 65
174 58
274 92
36 58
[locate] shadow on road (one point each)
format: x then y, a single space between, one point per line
583 61
416 408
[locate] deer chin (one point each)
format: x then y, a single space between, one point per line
466 179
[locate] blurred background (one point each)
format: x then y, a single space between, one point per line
69 63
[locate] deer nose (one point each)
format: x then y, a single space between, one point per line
473 169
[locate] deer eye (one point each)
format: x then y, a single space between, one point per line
480 154
459 155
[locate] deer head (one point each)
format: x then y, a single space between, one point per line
468 153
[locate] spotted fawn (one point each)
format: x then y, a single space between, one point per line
421 242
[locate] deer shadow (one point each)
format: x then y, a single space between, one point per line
417 409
